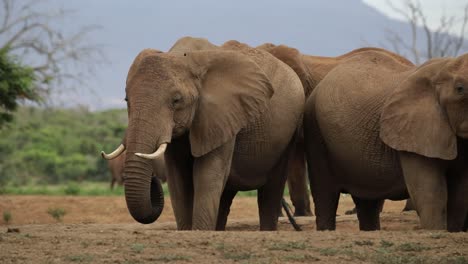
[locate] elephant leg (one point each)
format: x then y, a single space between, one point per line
426 183
179 165
297 183
457 206
368 212
269 196
224 208
325 192
210 174
409 206
465 227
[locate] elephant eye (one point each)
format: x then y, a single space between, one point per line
460 89
176 99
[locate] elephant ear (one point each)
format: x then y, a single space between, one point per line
413 120
233 91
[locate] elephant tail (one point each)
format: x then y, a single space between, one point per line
287 209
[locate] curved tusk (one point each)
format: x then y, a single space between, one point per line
154 155
114 154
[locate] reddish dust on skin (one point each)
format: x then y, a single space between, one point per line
100 230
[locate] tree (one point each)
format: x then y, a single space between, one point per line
441 42
58 59
16 83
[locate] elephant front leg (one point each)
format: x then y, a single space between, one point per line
210 173
179 165
426 183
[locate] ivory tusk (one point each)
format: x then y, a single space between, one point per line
155 154
114 154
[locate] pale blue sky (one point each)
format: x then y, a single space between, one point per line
433 8
318 27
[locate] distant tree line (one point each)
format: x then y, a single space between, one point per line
58 145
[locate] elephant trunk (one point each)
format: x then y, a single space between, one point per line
143 193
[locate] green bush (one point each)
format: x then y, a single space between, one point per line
57 213
52 146
72 189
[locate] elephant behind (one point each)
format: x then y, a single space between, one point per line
378 128
310 70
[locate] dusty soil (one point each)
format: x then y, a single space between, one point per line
100 230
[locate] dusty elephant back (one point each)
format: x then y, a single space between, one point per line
348 103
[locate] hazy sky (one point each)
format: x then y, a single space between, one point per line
320 27
433 8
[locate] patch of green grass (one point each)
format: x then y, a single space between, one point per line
57 213
86 188
219 246
328 251
436 235
72 188
6 217
236 256
300 258
355 255
364 243
138 248
386 244
411 247
169 258
288 246
80 258
458 260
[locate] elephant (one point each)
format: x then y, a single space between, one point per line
225 120
311 70
116 168
379 128
296 179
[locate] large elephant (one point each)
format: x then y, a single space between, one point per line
311 70
296 179
226 121
378 128
116 166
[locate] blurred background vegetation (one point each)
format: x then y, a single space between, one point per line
50 145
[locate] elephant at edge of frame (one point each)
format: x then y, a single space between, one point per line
379 129
311 70
226 120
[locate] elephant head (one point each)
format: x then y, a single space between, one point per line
209 95
185 44
429 109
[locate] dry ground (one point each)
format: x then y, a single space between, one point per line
100 230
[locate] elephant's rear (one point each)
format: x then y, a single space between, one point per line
274 130
347 105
